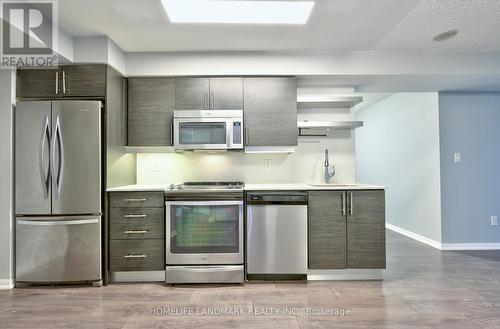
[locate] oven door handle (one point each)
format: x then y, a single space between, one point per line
204 203
211 268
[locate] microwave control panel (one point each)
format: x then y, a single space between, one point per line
237 135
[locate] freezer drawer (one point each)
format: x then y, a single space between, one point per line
58 249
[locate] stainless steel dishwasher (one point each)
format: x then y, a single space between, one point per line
276 233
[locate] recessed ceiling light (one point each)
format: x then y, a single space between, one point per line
445 35
238 11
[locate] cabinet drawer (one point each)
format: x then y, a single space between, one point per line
137 255
136 215
138 230
137 199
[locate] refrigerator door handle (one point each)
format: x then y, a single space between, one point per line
44 172
57 176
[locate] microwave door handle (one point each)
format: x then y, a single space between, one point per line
229 133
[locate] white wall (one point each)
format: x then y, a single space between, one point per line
399 147
305 165
7 91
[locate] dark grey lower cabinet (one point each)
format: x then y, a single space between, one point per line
366 229
137 231
346 229
327 230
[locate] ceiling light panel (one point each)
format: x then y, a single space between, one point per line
238 11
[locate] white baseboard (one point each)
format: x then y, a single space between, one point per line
414 236
6 284
470 246
344 275
138 276
443 246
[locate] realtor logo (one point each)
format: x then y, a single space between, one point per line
28 33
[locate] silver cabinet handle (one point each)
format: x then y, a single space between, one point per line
207 102
57 82
44 172
213 100
135 200
351 204
171 135
64 82
57 176
135 256
136 216
342 196
136 231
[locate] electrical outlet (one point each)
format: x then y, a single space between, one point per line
267 164
457 157
156 166
494 220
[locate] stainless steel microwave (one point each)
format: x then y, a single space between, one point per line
208 130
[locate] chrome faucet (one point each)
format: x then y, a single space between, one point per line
329 170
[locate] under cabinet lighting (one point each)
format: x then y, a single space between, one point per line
238 11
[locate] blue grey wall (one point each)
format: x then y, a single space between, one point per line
470 191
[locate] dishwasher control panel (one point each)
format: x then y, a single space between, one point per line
277 197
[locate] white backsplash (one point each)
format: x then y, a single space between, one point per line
303 166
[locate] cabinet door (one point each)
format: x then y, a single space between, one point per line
327 230
38 83
192 94
84 80
366 229
226 93
151 103
270 114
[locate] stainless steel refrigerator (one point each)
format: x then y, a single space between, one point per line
58 191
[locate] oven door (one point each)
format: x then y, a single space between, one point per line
204 232
202 133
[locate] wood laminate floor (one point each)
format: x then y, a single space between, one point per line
423 288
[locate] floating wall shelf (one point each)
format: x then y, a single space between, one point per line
328 102
326 125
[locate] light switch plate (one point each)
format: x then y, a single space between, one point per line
457 157
267 164
494 220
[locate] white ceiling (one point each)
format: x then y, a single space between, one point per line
478 23
142 25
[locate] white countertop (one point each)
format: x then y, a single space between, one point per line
310 187
139 188
260 187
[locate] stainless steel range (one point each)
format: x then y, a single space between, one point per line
204 230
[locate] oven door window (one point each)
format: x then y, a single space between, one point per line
198 133
204 229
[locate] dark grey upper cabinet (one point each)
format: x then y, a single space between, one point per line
226 93
270 114
38 83
151 104
192 93
84 80
327 230
66 81
366 229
